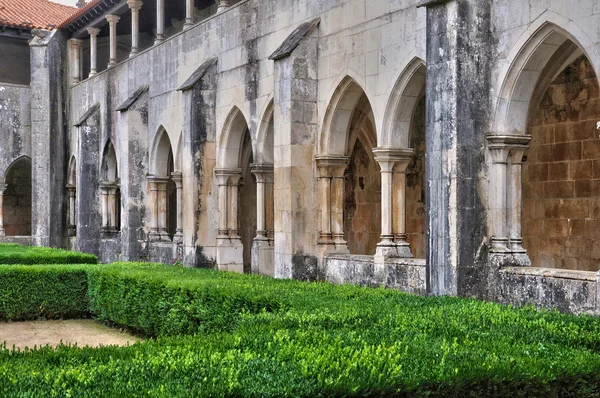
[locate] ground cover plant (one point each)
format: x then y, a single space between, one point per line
11 253
220 334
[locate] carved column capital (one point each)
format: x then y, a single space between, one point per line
501 146
390 159
113 19
93 31
332 165
135 5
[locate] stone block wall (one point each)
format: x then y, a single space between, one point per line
561 176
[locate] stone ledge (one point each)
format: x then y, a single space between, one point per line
552 273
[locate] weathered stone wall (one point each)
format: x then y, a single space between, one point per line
15 60
561 177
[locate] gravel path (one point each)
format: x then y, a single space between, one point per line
41 333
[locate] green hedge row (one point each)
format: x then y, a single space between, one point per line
257 337
51 291
11 253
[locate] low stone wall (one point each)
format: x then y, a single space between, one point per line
568 291
21 240
407 275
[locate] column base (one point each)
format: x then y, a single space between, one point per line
159 39
178 237
188 24
263 257
499 245
230 255
393 250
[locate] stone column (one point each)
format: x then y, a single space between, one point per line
160 21
515 206
153 187
76 53
104 203
325 235
178 180
189 14
269 208
498 192
230 251
262 251
505 197
163 229
234 181
393 163
93 50
223 181
337 206
72 220
2 189
112 24
222 5
113 212
135 6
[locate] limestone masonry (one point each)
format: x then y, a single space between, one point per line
444 147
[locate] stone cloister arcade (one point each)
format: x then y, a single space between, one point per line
334 141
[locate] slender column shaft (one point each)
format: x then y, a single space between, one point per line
498 196
270 209
325 187
398 206
337 208
177 178
260 209
105 224
154 207
162 209
76 53
113 208
135 6
515 198
234 181
93 50
112 24
160 21
189 14
72 221
387 233
2 189
223 192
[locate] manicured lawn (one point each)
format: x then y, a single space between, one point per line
220 334
11 253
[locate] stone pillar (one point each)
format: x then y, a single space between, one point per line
135 6
160 21
76 53
331 177
72 216
93 50
223 181
112 24
2 189
189 14
498 192
262 250
515 206
505 199
153 188
163 202
222 5
230 251
457 116
296 207
113 207
177 179
104 206
234 197
393 163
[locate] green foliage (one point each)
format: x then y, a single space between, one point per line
11 253
221 334
49 292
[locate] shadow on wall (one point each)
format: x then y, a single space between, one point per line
17 199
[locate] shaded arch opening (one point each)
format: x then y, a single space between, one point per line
17 198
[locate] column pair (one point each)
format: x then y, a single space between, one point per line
109 192
2 189
331 187
159 205
228 181
393 164
264 201
506 194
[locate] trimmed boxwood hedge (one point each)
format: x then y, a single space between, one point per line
221 334
11 253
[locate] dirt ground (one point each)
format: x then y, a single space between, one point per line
41 333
